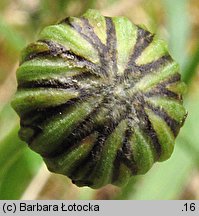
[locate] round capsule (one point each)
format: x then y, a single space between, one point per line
99 98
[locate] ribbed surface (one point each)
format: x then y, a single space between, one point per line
99 98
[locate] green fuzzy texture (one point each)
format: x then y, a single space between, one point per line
99 98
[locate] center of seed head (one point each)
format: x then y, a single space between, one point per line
119 92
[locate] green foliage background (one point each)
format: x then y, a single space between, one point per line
22 173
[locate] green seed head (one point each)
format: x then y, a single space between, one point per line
99 98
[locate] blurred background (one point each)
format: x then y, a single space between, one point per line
22 172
